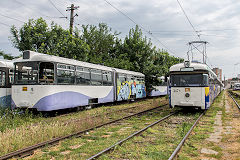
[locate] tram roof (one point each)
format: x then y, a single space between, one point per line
194 65
6 63
35 56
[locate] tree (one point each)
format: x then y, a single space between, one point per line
96 44
6 56
102 41
37 36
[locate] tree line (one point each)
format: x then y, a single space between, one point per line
95 44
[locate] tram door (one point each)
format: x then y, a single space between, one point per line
3 89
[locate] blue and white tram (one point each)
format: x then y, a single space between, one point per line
236 86
6 76
193 85
47 83
159 87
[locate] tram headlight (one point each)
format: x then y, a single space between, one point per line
187 95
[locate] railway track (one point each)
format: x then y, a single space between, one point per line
113 111
106 150
108 112
232 94
129 137
29 150
175 152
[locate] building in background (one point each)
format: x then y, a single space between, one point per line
238 76
218 72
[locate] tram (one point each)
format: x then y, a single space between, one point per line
46 83
236 86
193 85
6 78
159 87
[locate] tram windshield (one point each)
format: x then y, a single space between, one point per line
190 80
34 73
26 73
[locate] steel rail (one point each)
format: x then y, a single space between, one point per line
30 149
185 137
230 94
108 113
129 137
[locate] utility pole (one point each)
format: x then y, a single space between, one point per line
72 8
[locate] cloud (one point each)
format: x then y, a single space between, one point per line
155 16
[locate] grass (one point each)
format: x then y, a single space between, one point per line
192 147
101 138
12 119
21 131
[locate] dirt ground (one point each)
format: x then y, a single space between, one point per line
231 141
224 142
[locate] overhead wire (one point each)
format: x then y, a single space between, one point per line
189 20
133 21
197 32
35 10
11 18
5 24
57 9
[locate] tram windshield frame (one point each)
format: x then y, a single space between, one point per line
189 80
26 73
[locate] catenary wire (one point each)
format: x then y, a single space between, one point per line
5 24
57 9
11 18
188 20
139 26
34 10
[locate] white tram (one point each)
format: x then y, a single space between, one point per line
47 83
159 87
6 77
193 85
236 86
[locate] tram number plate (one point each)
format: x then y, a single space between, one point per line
187 89
24 88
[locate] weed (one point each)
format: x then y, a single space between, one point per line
183 129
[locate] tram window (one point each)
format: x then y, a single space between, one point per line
96 77
61 66
65 76
2 78
107 78
26 73
130 78
83 76
10 76
79 68
138 79
141 80
70 67
194 80
46 73
205 80
122 78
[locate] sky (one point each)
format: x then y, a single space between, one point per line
162 21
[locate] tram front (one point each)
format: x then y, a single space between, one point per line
188 85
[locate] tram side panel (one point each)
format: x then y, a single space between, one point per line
158 91
5 84
130 88
5 97
55 97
